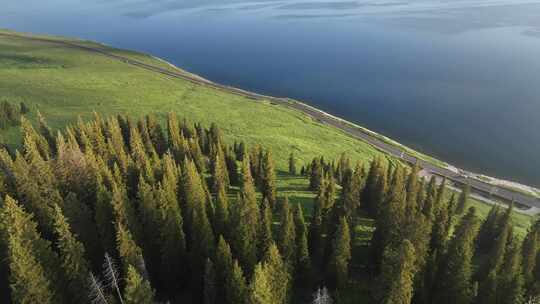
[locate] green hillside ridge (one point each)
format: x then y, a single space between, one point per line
64 83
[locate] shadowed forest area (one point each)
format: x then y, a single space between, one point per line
118 210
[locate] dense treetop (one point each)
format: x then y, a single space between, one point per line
117 210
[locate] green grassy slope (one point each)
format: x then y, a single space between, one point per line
63 82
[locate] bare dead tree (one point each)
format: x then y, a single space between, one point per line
110 272
322 296
97 294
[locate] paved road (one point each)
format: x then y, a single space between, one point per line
477 185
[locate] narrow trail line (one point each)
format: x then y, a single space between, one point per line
458 178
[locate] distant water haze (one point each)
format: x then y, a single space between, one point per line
459 80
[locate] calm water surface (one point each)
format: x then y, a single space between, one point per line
459 80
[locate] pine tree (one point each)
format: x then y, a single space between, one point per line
292 164
280 279
265 238
455 283
391 218
287 233
74 264
463 198
429 205
221 218
47 133
338 265
232 167
219 172
210 287
488 230
260 289
128 250
316 229
202 243
412 188
487 291
35 185
398 271
193 195
370 189
268 180
303 261
531 247
223 266
236 287
440 231
316 175
137 290
245 220
156 134
27 277
104 215
83 225
510 285
173 243
150 219
33 274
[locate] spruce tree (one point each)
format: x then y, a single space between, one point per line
128 250
74 264
82 224
412 188
316 240
265 238
463 199
202 243
287 234
292 164
370 188
531 247
398 271
338 265
172 242
303 261
245 221
280 279
223 267
137 290
150 219
221 217
34 268
268 178
487 291
260 289
316 175
510 285
488 230
440 231
219 172
104 215
235 286
210 287
455 280
193 195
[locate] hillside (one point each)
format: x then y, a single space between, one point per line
64 82
173 191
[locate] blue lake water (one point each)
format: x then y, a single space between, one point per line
459 80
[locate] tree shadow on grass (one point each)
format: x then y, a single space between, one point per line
27 61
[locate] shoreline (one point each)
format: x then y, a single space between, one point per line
495 181
497 186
